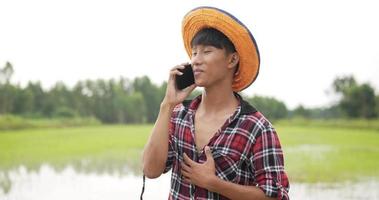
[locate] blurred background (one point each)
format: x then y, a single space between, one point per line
81 83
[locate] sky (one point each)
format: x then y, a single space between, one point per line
304 45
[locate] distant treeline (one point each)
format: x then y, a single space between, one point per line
138 100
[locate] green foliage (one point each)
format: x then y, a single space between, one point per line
343 84
6 73
8 94
64 112
272 108
300 111
13 122
138 100
152 96
357 100
110 101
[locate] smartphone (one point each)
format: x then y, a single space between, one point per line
186 79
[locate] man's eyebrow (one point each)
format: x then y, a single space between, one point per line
209 46
194 49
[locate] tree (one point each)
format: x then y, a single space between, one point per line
6 73
7 97
151 96
7 91
301 111
23 102
343 84
39 98
269 106
356 100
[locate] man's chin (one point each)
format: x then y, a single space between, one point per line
199 84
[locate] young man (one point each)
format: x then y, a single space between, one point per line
217 145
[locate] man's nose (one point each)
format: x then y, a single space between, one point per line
196 59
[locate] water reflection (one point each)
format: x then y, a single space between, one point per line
69 183
47 184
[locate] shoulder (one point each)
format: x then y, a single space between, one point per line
259 120
179 116
254 121
181 109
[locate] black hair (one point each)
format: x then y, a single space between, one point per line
213 37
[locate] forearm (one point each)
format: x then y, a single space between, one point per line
235 191
156 148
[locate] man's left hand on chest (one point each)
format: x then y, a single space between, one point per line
199 174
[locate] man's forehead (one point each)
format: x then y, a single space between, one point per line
202 46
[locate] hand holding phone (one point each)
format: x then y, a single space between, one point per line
186 79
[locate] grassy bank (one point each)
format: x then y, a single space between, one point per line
372 124
13 122
312 153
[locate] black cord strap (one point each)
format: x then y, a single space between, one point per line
143 187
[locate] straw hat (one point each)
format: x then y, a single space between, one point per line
244 42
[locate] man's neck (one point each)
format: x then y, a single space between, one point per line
216 100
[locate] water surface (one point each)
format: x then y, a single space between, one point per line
46 183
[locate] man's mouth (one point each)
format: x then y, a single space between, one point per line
197 72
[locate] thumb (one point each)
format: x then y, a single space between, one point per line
208 153
190 88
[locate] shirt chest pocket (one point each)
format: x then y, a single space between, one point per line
227 163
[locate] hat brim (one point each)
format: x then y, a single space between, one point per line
244 42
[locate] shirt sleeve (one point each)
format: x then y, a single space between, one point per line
171 149
268 163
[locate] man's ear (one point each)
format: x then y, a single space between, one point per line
234 59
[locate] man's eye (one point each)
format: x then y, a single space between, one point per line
194 54
207 51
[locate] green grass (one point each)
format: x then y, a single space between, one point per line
312 153
332 123
329 154
98 147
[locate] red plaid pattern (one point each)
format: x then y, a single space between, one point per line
246 151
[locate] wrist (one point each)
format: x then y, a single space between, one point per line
213 183
166 105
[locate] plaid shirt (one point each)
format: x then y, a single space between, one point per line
246 150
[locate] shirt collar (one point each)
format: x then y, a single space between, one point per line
244 106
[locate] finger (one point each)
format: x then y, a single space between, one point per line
187 180
185 174
174 72
187 160
178 67
186 167
208 153
184 64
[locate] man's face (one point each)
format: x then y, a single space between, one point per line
210 65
